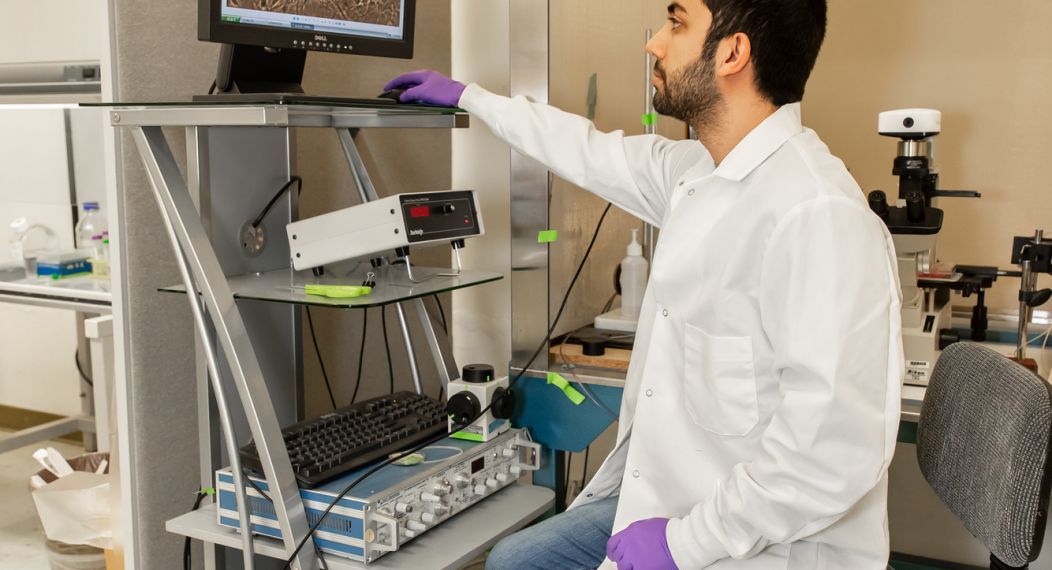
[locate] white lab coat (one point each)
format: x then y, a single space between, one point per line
761 406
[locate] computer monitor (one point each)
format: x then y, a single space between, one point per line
266 41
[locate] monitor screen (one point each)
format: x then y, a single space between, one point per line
364 27
377 19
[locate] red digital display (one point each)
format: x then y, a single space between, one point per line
419 212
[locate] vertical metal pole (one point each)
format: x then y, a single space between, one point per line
649 127
367 192
409 348
529 190
1024 310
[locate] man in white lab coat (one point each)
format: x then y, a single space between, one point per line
762 402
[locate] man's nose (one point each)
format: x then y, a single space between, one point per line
656 45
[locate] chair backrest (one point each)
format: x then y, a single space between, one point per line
983 445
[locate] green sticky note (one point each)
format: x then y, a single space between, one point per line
337 291
563 384
207 491
547 236
650 119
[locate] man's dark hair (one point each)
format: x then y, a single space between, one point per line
786 36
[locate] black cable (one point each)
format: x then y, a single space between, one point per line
361 354
566 480
186 543
584 474
292 180
258 490
521 373
212 89
83 376
387 346
442 313
321 363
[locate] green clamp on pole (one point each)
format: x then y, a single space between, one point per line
649 119
561 383
547 236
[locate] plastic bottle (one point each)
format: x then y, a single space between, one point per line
30 241
91 225
633 278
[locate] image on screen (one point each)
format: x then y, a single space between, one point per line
378 18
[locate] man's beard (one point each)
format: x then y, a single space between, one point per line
691 96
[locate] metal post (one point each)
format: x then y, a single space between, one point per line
650 128
413 368
367 191
529 191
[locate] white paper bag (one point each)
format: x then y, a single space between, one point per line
75 509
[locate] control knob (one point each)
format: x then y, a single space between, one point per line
462 480
428 518
492 483
416 525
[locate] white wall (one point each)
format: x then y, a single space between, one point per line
52 30
37 345
482 315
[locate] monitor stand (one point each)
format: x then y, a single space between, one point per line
257 74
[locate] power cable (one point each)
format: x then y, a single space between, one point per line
361 354
321 363
80 369
387 346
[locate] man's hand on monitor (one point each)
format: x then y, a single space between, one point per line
428 87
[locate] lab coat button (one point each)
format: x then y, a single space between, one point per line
635 474
690 192
664 313
650 393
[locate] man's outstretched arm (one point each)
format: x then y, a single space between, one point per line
636 173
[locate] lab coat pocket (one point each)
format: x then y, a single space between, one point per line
719 382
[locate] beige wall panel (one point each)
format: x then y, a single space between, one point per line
606 38
988 68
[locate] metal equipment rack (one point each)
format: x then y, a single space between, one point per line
237 154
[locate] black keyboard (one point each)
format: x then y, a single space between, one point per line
338 442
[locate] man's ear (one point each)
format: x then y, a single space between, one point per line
733 55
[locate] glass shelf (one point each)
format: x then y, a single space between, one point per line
392 286
331 113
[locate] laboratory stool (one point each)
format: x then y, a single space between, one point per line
983 446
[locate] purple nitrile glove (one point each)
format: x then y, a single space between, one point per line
428 87
641 546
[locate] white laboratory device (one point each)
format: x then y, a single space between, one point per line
386 224
479 389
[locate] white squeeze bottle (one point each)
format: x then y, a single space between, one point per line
633 278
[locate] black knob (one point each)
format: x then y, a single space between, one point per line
463 407
503 403
593 346
915 207
448 208
878 202
477 373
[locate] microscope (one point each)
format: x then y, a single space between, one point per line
914 222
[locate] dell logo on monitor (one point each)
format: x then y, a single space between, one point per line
321 38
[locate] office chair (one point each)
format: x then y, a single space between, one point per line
983 445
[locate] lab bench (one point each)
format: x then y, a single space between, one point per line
91 299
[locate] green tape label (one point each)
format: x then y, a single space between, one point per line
547 236
650 119
561 383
